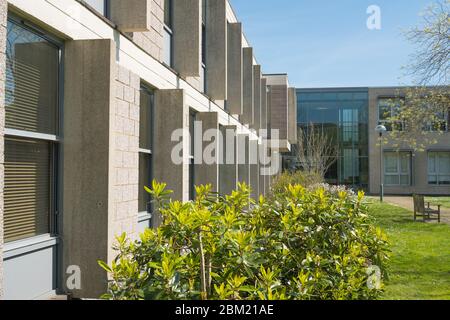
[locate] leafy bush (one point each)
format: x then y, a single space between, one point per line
302 178
301 245
332 190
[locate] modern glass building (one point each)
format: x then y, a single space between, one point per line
342 114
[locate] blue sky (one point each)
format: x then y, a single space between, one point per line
326 43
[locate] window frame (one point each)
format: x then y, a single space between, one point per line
54 140
148 152
399 172
192 120
168 31
388 123
437 174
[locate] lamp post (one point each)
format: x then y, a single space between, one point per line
381 130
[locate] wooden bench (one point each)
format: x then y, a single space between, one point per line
428 214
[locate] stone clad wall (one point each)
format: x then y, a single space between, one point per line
152 41
125 175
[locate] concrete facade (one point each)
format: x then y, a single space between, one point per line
88 161
208 171
152 40
131 15
234 67
216 49
248 87
228 175
187 37
3 15
104 64
257 97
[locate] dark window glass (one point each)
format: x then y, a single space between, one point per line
28 180
168 6
192 119
145 162
146 132
31 106
32 67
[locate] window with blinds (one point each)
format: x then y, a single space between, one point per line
27 188
31 110
146 147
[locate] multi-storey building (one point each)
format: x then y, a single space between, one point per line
349 116
96 96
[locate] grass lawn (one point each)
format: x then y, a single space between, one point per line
445 201
420 261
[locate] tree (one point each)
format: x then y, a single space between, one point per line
431 62
416 117
316 150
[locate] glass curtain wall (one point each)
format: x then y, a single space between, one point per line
342 114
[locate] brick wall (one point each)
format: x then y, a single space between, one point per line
3 17
125 172
152 41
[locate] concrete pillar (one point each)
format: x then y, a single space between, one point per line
243 158
292 116
208 171
187 37
279 109
171 113
131 15
88 116
264 108
254 168
262 178
3 17
248 88
257 97
216 49
234 98
228 175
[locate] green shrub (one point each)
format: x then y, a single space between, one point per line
302 245
302 178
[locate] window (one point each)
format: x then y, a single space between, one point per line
168 34
101 6
31 134
397 168
440 123
145 147
439 168
192 119
388 108
203 75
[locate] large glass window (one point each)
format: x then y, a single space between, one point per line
439 168
31 134
342 115
145 147
168 33
397 168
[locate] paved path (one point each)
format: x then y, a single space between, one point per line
407 203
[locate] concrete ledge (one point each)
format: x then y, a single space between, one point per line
131 15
